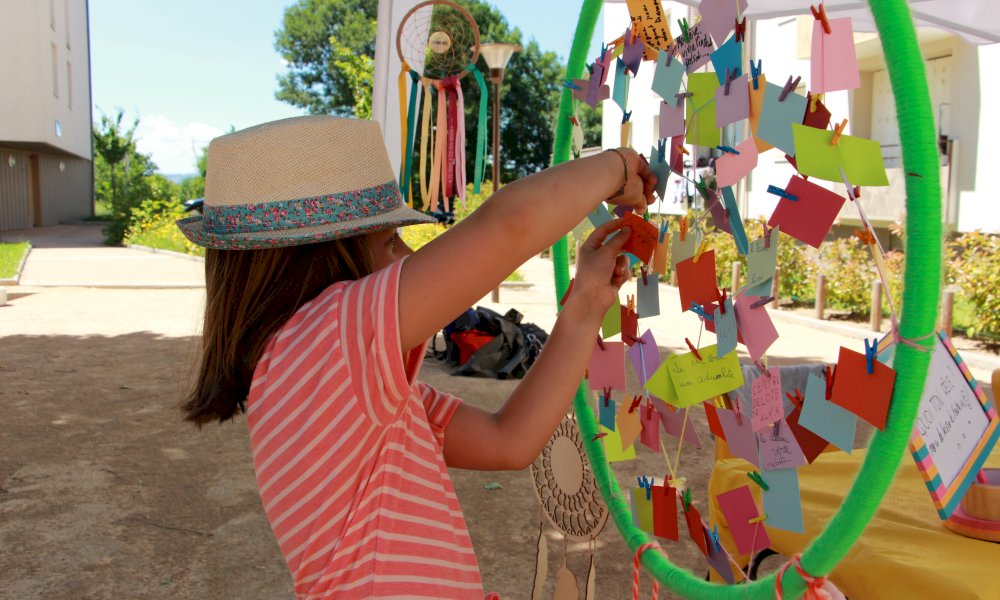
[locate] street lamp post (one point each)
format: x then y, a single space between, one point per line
497 56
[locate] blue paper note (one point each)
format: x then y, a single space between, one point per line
728 56
762 259
620 92
648 296
606 413
735 221
826 419
667 80
761 289
777 118
725 329
782 502
600 215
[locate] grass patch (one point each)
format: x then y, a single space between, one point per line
161 232
10 258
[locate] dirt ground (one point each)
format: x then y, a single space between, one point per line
105 493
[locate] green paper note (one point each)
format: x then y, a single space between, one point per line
661 386
699 380
612 324
860 159
613 447
701 110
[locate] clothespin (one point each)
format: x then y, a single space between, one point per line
837 130
721 295
738 410
871 353
630 302
664 228
682 95
693 349
646 484
569 84
763 368
635 404
682 149
597 436
686 499
813 99
700 311
590 69
729 149
626 116
701 250
759 519
767 235
857 192
685 37
830 371
649 410
820 15
661 151
741 29
683 227
775 430
607 396
645 275
730 78
715 532
670 58
600 343
631 33
777 191
865 236
796 398
755 72
763 300
756 477
789 88
702 188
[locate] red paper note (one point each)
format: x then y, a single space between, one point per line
695 529
819 118
812 445
696 280
755 326
665 512
650 418
766 406
712 414
606 368
630 325
642 240
739 508
809 217
864 394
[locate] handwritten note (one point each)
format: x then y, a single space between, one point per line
762 260
809 217
667 77
778 448
696 48
698 380
606 368
661 385
642 239
834 63
649 22
725 328
765 399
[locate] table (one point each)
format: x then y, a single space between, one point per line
906 552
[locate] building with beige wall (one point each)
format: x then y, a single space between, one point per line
46 169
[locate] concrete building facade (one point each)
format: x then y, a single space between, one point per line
46 160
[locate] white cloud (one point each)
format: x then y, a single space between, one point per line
174 147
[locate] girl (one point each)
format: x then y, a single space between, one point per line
316 319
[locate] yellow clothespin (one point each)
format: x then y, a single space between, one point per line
759 519
813 99
683 228
701 248
839 129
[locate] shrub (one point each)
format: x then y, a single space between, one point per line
976 270
849 270
154 225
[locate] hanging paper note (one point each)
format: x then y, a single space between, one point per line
591 90
740 436
696 49
667 78
810 216
717 559
649 22
661 386
620 92
642 509
650 418
606 368
696 380
632 54
718 210
826 419
782 501
671 120
712 416
677 423
755 326
660 167
812 445
777 118
778 448
642 239
676 156
725 328
731 168
630 325
734 106
729 57
660 256
696 529
739 509
648 295
834 62
701 110
765 400
612 324
606 408
762 259
865 394
818 118
719 16
629 426
682 249
735 221
696 279
756 106
665 512
860 159
599 216
613 447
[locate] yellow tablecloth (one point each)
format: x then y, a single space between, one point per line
905 552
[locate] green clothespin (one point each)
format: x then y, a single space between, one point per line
703 190
685 36
758 479
686 499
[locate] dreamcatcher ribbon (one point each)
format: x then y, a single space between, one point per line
439 146
401 81
452 130
460 146
411 127
480 128
425 138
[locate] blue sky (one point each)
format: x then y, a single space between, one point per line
190 69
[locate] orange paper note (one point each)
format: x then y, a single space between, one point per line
642 240
864 394
629 427
696 280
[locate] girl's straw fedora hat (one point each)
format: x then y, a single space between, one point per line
298 181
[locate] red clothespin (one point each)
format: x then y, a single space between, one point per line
838 129
767 235
857 192
820 15
573 120
683 226
637 340
738 411
830 372
865 236
789 87
635 404
721 295
741 29
607 396
649 410
645 275
693 349
600 343
796 398
598 436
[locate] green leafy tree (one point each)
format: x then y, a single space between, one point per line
194 187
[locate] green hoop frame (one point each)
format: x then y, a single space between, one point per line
921 292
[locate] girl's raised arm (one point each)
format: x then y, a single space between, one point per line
458 268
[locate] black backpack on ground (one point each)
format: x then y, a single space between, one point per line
513 349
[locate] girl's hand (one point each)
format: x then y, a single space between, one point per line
601 270
640 182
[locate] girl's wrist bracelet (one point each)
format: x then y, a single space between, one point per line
621 190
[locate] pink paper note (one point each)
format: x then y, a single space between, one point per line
696 49
810 216
645 357
735 106
731 168
741 439
739 508
833 61
671 120
606 368
778 448
765 401
755 326
673 423
719 17
650 436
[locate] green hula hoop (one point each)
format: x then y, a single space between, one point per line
921 291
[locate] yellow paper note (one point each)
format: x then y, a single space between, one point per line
661 386
613 447
642 509
860 159
629 426
698 380
651 24
756 104
612 324
701 110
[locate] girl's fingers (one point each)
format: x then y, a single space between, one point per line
601 233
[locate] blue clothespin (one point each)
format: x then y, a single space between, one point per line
755 72
777 191
729 149
569 84
871 354
590 69
661 150
700 311
626 117
646 484
664 226
715 539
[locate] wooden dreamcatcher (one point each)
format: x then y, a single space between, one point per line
570 500
438 44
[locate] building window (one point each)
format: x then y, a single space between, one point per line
55 71
52 14
66 21
69 84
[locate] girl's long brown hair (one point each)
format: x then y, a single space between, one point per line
250 295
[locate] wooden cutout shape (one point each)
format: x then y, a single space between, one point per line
566 586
